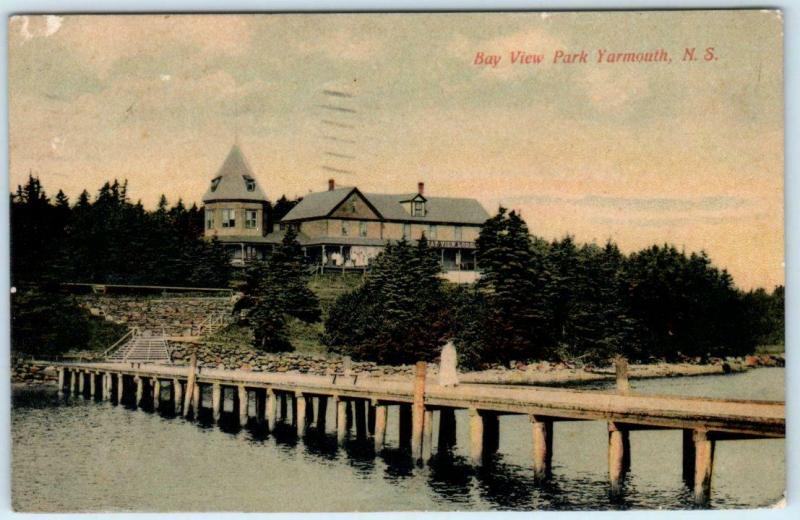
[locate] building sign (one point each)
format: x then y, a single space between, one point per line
454 244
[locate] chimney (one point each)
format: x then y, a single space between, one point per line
331 184
421 188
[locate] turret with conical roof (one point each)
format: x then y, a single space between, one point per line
235 204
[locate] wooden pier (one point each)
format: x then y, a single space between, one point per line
362 401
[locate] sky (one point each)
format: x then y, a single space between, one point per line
682 152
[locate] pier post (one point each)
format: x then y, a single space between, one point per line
73 382
703 466
271 409
300 413
418 411
447 429
197 399
542 447
156 393
106 390
491 432
177 395
309 411
92 384
621 368
616 457
243 406
361 418
120 388
284 407
341 419
81 382
139 390
427 436
190 386
294 408
216 401
688 457
475 436
322 412
381 412
348 415
61 382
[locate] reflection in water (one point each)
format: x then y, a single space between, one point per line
76 454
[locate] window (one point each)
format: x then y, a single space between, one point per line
362 229
251 218
457 233
215 183
432 232
406 230
345 226
249 183
209 219
228 218
418 209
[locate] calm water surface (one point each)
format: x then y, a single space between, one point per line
80 455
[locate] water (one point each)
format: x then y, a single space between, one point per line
78 455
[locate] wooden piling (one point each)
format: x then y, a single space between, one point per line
542 447
81 383
120 388
197 399
703 466
616 456
491 432
177 395
73 382
348 415
322 412
621 367
107 385
418 411
92 384
427 436
475 436
300 413
341 419
243 405
216 401
139 390
61 382
381 413
156 393
271 409
309 411
284 407
190 387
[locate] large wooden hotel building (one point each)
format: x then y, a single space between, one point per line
341 228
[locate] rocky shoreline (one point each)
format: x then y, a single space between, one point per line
542 373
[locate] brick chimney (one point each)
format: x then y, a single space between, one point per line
421 188
331 185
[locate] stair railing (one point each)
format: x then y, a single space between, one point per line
133 332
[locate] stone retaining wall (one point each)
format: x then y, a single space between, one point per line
175 314
33 372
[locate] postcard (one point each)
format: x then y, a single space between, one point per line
460 261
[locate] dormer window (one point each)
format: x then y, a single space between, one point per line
418 208
250 183
215 183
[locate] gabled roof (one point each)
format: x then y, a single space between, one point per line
389 207
231 181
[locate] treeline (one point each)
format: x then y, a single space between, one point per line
552 300
110 239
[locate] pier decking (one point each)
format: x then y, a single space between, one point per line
364 400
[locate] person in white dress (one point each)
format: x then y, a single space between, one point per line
448 365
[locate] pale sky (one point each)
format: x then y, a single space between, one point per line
689 153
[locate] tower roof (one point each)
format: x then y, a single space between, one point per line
234 180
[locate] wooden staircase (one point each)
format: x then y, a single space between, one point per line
139 347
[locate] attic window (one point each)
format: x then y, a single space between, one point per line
418 208
215 183
250 183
